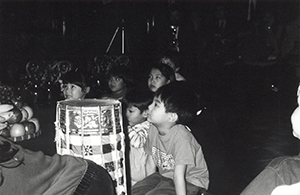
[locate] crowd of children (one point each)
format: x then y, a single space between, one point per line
155 115
163 156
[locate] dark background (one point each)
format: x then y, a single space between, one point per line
32 30
245 123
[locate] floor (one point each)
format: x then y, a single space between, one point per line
244 125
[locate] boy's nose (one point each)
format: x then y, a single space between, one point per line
150 107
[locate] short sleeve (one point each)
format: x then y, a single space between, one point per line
185 152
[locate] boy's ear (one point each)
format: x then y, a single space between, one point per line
87 90
173 117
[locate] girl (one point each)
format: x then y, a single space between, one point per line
74 86
160 74
119 80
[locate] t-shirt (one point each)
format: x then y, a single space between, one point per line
178 147
40 174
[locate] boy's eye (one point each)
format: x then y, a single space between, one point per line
158 77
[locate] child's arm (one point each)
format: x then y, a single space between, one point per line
179 179
150 166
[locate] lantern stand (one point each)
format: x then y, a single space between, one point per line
122 38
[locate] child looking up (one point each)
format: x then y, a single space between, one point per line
172 148
160 74
137 102
74 85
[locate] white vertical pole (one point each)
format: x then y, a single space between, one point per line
123 40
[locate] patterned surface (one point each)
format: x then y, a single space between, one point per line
94 133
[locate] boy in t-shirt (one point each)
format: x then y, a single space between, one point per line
172 148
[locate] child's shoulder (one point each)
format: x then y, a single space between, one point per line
181 130
145 124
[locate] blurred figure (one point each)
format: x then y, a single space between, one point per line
221 37
291 44
264 42
174 30
172 58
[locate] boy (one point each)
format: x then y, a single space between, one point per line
282 173
137 102
171 146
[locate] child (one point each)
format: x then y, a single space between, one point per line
172 58
159 75
74 85
137 102
282 172
119 80
171 146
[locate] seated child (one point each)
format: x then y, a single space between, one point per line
137 102
119 81
171 146
172 58
74 85
282 171
160 74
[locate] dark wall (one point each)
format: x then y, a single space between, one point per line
34 30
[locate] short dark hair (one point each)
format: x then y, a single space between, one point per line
139 98
165 70
75 77
178 97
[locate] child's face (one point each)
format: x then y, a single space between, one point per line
157 112
135 116
73 92
295 119
156 80
116 84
